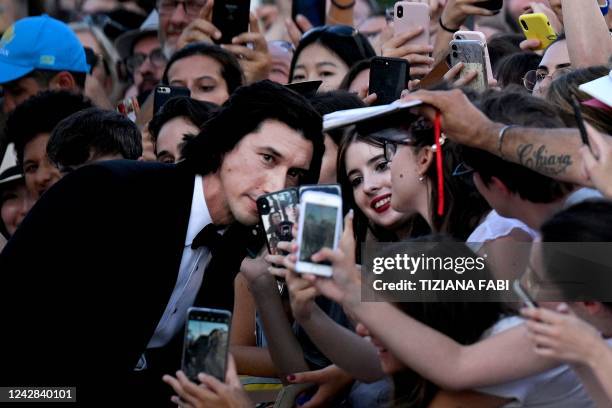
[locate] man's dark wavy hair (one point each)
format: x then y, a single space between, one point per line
243 113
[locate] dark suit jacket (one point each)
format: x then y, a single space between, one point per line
86 278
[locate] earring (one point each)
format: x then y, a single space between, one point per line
421 178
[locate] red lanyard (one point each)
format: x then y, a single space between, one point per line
437 135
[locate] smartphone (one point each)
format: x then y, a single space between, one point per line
322 188
493 5
522 293
320 226
163 93
388 78
477 36
306 88
409 15
313 10
580 121
278 212
471 54
536 26
231 17
206 343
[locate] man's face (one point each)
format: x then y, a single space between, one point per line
40 173
148 74
269 159
17 91
174 16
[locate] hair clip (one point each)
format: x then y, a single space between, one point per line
442 140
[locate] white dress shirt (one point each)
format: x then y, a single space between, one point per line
190 274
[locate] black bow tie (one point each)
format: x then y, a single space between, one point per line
208 237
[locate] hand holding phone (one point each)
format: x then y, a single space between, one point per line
388 78
536 26
206 343
278 213
471 54
320 226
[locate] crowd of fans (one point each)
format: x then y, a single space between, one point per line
103 209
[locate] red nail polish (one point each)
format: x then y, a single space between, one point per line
291 378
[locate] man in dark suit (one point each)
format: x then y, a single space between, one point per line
108 261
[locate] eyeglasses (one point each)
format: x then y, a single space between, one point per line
156 57
390 147
192 7
341 31
535 76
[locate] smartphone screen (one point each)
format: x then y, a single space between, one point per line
313 10
206 343
318 231
278 213
334 189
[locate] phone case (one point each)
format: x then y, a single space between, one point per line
388 78
407 16
471 53
163 93
536 26
278 212
232 18
477 36
322 188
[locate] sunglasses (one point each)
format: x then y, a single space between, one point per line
340 31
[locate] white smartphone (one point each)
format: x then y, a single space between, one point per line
477 36
319 227
522 293
408 16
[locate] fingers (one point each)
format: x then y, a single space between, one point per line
240 50
206 11
530 45
453 72
598 143
327 254
254 23
211 382
466 78
401 38
303 23
293 31
231 376
315 377
370 99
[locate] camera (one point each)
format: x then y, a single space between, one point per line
400 11
524 23
264 206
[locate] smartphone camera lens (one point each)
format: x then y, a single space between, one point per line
400 11
459 38
454 47
264 208
524 25
455 55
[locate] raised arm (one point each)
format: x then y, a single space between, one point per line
588 39
552 152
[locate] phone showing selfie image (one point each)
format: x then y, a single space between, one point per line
206 343
231 17
278 213
313 10
388 78
320 225
522 293
471 54
163 93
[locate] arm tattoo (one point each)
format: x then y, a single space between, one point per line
538 159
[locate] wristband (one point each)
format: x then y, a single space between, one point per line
445 28
500 139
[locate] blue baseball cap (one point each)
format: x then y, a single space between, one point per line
39 42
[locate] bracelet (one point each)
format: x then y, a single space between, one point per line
343 7
445 28
500 139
